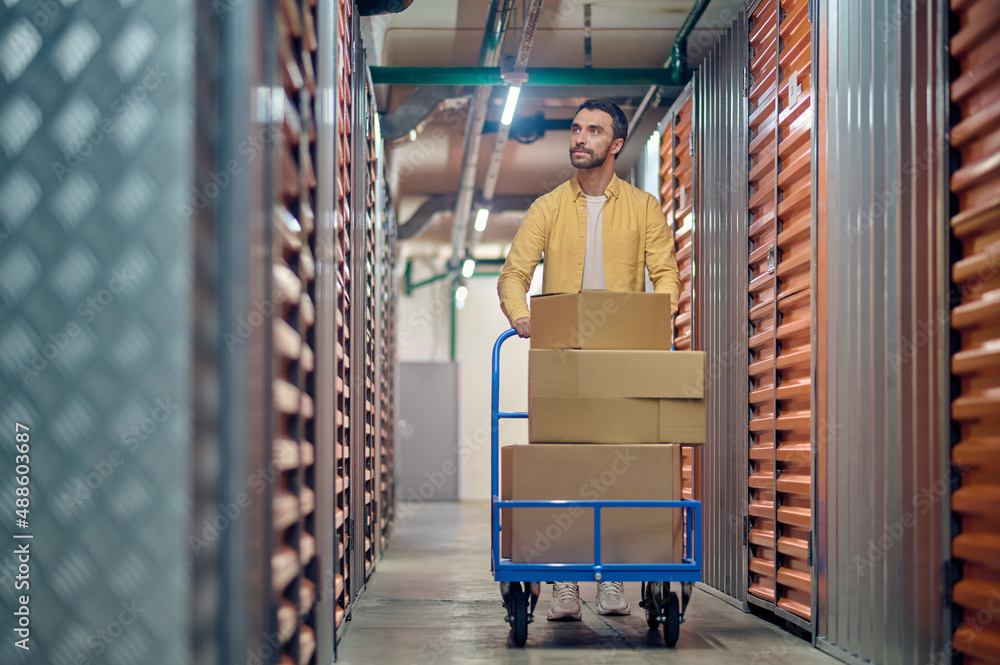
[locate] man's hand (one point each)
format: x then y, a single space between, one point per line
523 327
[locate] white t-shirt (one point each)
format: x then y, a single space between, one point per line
593 261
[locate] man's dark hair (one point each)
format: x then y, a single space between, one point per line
619 123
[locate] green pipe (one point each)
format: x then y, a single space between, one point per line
538 76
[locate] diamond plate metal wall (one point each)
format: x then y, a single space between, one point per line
95 164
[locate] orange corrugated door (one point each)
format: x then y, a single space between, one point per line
793 451
294 271
683 221
976 186
676 190
762 107
345 258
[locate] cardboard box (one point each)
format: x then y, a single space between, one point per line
600 320
616 396
566 535
652 374
616 420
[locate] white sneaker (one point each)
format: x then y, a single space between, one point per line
611 598
565 605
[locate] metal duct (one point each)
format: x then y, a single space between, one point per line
676 64
417 107
489 56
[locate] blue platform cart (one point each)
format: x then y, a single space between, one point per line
520 583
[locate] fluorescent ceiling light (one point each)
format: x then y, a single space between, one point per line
508 109
481 217
461 293
468 268
413 135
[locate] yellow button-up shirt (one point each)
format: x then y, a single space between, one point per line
636 238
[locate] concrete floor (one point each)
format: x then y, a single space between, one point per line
432 600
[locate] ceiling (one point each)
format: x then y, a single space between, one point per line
449 33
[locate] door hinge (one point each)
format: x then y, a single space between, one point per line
772 259
809 548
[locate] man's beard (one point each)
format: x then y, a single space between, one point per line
590 161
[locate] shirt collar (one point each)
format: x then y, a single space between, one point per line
611 191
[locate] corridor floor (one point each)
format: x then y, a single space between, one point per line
432 600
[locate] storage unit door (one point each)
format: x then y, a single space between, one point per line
780 340
975 185
762 256
793 364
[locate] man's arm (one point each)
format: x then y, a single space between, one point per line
522 259
661 259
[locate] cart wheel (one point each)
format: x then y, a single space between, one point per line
650 602
519 614
672 627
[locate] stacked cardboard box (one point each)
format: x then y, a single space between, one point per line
602 385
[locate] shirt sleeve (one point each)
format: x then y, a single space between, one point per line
661 258
522 259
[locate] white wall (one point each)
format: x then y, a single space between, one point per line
424 334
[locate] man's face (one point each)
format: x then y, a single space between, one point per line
592 139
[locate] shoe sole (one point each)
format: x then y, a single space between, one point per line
624 612
571 616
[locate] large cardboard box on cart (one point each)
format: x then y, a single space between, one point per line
616 396
591 471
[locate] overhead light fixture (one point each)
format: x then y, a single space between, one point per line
508 109
413 135
481 218
468 268
461 293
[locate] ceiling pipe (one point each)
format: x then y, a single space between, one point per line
676 65
417 108
503 131
489 56
439 203
537 76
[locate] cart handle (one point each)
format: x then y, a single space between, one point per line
496 414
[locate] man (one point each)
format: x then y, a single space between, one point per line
595 232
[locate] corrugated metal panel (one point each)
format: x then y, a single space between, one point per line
882 426
793 365
96 330
366 270
976 185
345 587
761 140
720 308
327 335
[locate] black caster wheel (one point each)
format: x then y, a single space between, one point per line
672 626
519 613
652 605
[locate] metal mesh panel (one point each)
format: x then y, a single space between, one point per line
94 330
